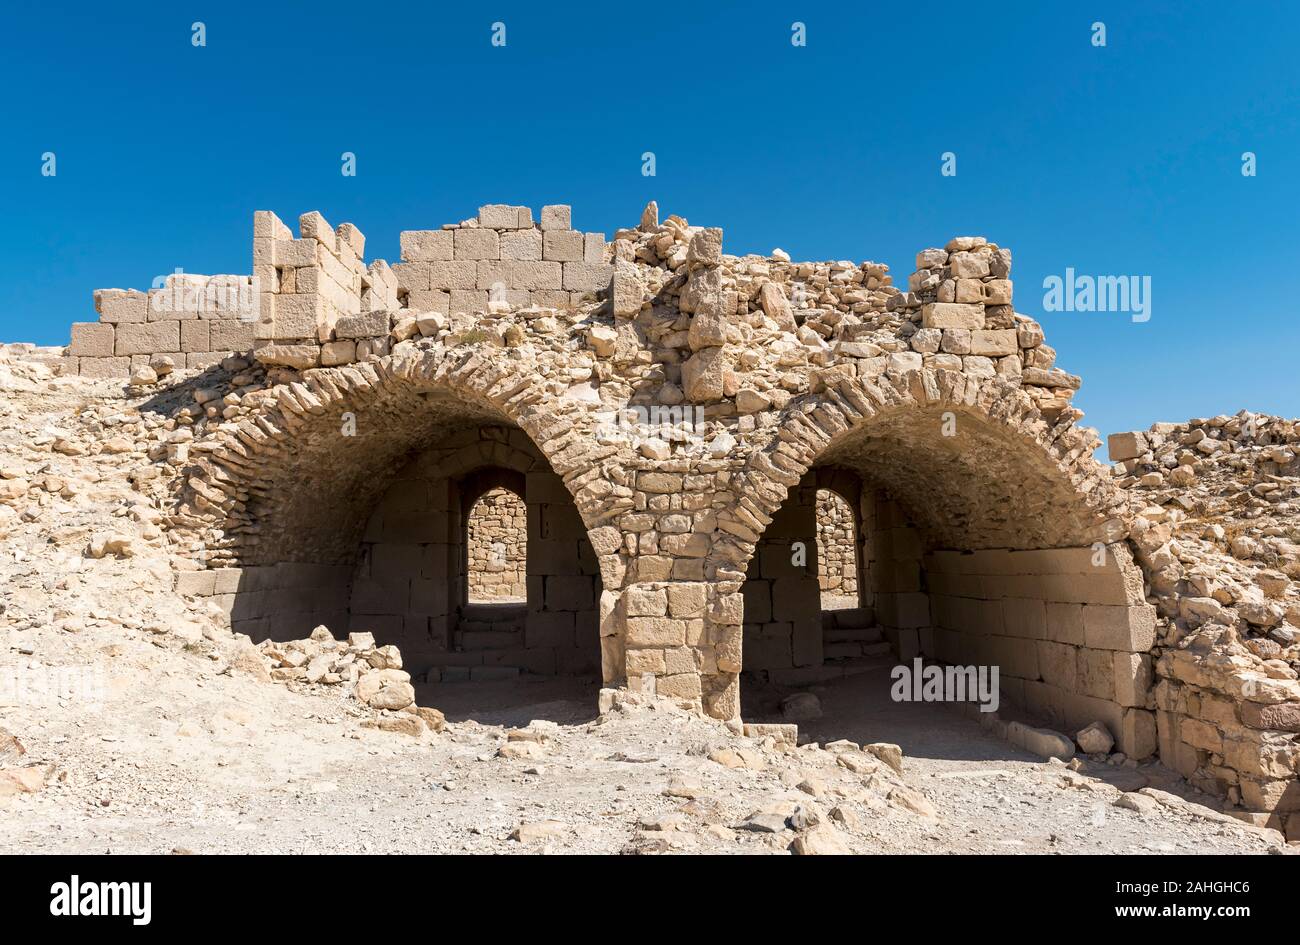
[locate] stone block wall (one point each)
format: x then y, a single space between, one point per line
498 547
895 549
783 625
194 320
1068 627
312 300
968 322
307 284
837 557
283 601
500 260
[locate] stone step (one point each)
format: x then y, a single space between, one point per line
452 674
849 618
489 639
834 669
853 635
841 651
504 623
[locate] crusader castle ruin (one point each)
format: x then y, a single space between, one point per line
525 448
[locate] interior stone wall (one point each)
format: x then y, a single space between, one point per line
413 578
498 547
1068 628
837 558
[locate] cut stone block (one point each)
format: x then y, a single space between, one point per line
952 315
556 217
92 339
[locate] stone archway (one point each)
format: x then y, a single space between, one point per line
344 502
991 540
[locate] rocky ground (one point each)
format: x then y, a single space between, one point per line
130 723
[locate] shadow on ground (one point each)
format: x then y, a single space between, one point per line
565 700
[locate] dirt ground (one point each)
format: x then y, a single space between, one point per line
185 757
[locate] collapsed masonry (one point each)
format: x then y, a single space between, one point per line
667 414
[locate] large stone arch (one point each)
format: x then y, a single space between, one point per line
996 537
279 502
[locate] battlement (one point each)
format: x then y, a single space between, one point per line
313 299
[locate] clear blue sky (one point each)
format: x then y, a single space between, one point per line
1124 160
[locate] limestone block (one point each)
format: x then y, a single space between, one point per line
500 216
562 245
266 225
313 226
365 325
467 301
968 265
351 241
1058 664
655 631
474 244
704 376
627 289
300 356
147 338
338 352
119 307
1122 446
994 343
680 686
1137 734
523 245
1065 623
645 661
1120 627
593 248
645 601
1096 673
230 335
104 367
436 301
293 254
556 216
706 247
527 275
708 329
997 292
426 245
775 306
794 598
195 336
587 276
460 274
92 339
952 315
413 275
1133 677
292 317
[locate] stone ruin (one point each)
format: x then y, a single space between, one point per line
664 417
